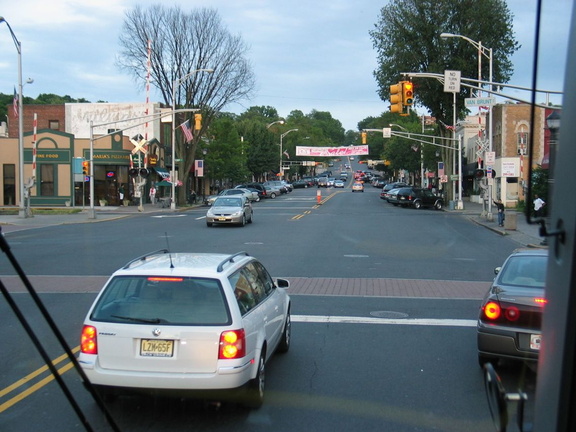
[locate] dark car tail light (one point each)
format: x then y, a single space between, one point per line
88 341
232 344
495 312
492 311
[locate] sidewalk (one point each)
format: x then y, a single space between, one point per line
524 234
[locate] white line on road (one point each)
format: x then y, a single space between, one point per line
367 320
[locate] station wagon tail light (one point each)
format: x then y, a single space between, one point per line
88 344
492 310
165 279
232 344
540 300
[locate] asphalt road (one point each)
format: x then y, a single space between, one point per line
358 361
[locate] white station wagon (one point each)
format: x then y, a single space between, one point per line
199 324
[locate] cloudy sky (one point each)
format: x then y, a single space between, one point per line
306 54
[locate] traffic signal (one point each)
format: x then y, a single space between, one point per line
85 168
363 136
478 173
144 172
197 121
133 172
396 98
407 93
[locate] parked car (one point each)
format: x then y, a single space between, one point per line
258 186
278 185
510 319
301 184
358 187
418 198
272 191
251 195
230 210
186 324
390 186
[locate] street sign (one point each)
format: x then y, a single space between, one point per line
454 177
444 179
452 81
490 158
489 171
386 132
472 102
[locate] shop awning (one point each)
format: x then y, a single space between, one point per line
162 172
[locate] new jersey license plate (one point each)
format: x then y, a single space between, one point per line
156 348
535 340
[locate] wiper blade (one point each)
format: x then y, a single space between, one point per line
141 320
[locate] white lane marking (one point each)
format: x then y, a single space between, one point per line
169 216
367 320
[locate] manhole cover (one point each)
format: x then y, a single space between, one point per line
389 314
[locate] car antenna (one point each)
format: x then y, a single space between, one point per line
168 247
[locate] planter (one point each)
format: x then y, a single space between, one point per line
103 203
126 203
67 203
476 199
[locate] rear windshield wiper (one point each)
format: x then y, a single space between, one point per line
141 320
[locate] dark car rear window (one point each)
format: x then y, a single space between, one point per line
162 300
524 270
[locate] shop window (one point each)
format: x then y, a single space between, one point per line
54 124
47 179
9 182
522 143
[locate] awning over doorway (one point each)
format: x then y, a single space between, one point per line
162 172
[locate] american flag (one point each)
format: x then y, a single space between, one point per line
186 129
15 103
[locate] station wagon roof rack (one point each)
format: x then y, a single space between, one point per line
145 257
230 259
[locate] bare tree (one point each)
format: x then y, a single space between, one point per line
183 43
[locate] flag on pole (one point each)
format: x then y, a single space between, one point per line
15 103
186 129
286 154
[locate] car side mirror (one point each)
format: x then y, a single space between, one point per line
497 270
282 283
498 401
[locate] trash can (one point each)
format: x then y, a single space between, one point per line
452 205
510 220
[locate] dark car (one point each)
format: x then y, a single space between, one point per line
390 186
418 198
510 319
258 186
300 184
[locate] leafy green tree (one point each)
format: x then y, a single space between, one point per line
407 39
226 155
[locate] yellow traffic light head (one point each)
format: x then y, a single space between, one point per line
396 105
408 93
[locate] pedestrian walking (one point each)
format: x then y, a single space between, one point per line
152 194
501 215
538 205
121 193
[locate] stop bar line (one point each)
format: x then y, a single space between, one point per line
367 320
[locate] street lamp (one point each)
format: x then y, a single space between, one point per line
281 138
486 52
175 85
273 123
21 209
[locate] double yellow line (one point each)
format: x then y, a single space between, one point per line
36 386
315 206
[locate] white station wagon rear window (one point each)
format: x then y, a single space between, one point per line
163 300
